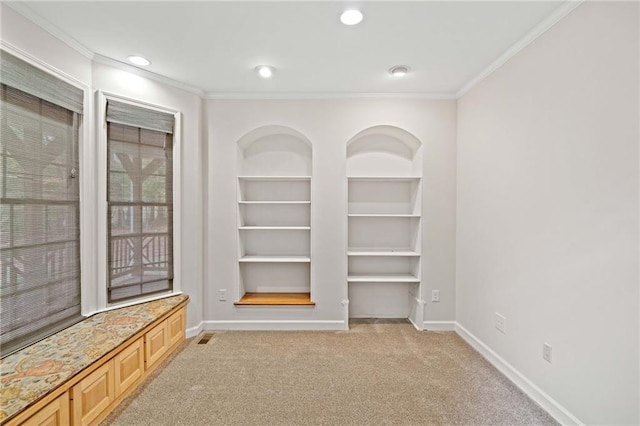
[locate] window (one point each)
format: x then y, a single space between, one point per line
40 118
139 201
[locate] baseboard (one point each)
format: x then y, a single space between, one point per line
274 325
194 331
561 414
440 325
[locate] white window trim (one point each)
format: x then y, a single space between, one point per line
101 202
86 156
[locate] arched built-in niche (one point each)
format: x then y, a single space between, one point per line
384 168
274 151
384 150
274 217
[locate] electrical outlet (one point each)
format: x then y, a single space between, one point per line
222 295
501 323
546 352
435 295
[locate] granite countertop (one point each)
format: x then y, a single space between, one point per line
33 372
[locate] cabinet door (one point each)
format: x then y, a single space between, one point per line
56 413
156 343
129 366
93 394
175 324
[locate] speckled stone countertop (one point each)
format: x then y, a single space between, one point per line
33 372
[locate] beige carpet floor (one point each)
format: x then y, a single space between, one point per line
377 373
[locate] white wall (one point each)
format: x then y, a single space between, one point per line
328 124
547 219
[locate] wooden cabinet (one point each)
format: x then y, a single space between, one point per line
56 413
176 327
93 394
129 366
156 343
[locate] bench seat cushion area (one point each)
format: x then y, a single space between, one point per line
42 368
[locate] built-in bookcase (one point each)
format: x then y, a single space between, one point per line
274 218
384 224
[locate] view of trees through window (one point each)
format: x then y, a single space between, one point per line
140 211
39 217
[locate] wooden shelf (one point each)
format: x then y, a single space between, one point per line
275 178
275 202
382 278
275 259
275 299
283 228
385 252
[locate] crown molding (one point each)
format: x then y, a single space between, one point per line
532 35
23 9
100 59
321 96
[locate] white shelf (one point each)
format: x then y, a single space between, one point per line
275 202
274 178
382 252
384 178
381 215
275 259
382 278
275 228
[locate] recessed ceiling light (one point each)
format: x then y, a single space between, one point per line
399 70
351 17
139 60
265 71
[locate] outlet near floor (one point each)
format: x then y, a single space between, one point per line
501 323
435 295
222 295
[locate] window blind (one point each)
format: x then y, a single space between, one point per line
140 202
16 73
39 210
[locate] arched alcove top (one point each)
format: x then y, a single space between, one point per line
274 150
271 131
394 134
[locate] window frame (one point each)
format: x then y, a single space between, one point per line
103 238
86 190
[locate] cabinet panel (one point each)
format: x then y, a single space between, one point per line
156 343
129 366
175 325
93 394
56 413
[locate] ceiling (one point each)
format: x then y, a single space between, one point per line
215 46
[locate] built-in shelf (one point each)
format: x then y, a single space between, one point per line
384 178
281 228
381 215
382 278
274 202
380 252
274 178
275 259
274 217
275 299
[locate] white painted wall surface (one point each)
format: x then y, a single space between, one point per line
328 124
547 219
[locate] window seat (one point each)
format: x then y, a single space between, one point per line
84 371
